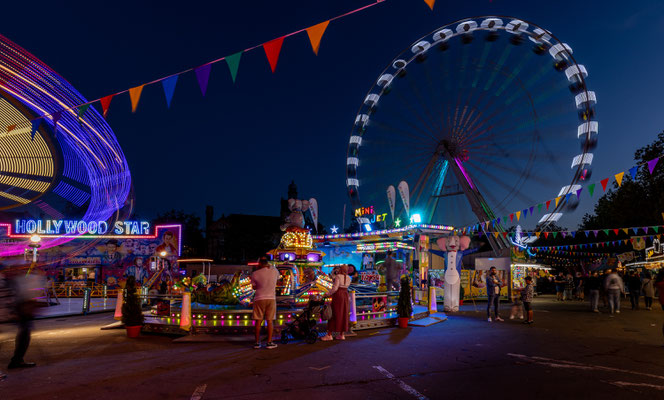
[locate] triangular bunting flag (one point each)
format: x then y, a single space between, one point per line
573 234
512 217
495 234
548 202
430 3
632 172
619 178
645 230
35 125
531 210
169 88
564 234
616 231
518 215
505 234
11 128
81 111
655 228
567 196
537 234
626 240
578 193
554 234
626 230
546 235
233 62
315 34
56 117
272 50
539 209
604 182
203 76
135 96
105 103
606 232
595 233
651 164
635 230
557 200
591 189
587 233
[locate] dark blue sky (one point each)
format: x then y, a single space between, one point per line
240 146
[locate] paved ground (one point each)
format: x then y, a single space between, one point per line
567 353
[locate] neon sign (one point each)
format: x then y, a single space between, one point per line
365 211
58 227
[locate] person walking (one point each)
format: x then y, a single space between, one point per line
392 269
594 284
648 288
634 286
264 282
560 286
569 287
527 298
340 305
614 286
493 285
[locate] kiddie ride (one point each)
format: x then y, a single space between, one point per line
226 305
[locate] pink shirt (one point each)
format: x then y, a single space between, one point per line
264 280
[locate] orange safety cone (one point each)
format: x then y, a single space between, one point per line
185 313
118 306
433 307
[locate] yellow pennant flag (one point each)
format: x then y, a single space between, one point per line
557 200
537 234
496 234
316 34
135 96
619 178
518 215
626 230
430 3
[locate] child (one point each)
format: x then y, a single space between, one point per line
527 298
516 306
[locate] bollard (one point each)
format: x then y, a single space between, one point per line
433 308
353 308
118 306
86 300
105 292
185 312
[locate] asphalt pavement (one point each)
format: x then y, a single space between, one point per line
568 353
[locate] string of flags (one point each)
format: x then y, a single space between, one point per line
588 233
272 49
596 245
485 227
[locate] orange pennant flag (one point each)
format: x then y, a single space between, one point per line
316 34
496 234
619 178
272 50
430 3
518 215
557 200
135 96
626 230
12 127
537 234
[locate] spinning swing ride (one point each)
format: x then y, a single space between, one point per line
481 116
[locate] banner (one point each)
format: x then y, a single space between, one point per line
405 196
313 209
625 257
391 199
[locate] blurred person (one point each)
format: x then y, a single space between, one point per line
517 304
648 288
569 287
392 269
560 286
264 282
594 283
634 286
580 286
340 305
614 286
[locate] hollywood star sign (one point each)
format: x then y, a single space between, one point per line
79 227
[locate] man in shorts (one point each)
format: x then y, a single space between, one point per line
264 282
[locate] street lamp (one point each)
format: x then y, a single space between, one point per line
34 244
163 254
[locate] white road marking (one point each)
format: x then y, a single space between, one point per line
320 369
628 384
198 393
574 365
403 385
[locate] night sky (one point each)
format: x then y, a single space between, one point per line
240 146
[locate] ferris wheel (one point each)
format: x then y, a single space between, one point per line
480 117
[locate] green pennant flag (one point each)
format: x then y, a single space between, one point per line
606 231
591 189
82 109
233 62
655 228
539 207
554 234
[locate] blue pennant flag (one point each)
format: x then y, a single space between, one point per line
169 88
35 125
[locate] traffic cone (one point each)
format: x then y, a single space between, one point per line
185 312
433 307
118 306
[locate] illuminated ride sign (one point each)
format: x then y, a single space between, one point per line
370 214
59 227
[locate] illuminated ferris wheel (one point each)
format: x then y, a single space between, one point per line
481 117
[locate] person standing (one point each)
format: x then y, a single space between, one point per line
392 268
264 282
569 287
614 287
560 286
340 305
594 283
634 286
493 285
527 298
648 288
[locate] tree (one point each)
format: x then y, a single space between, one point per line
638 201
192 235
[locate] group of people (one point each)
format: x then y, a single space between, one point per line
611 285
264 282
524 299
